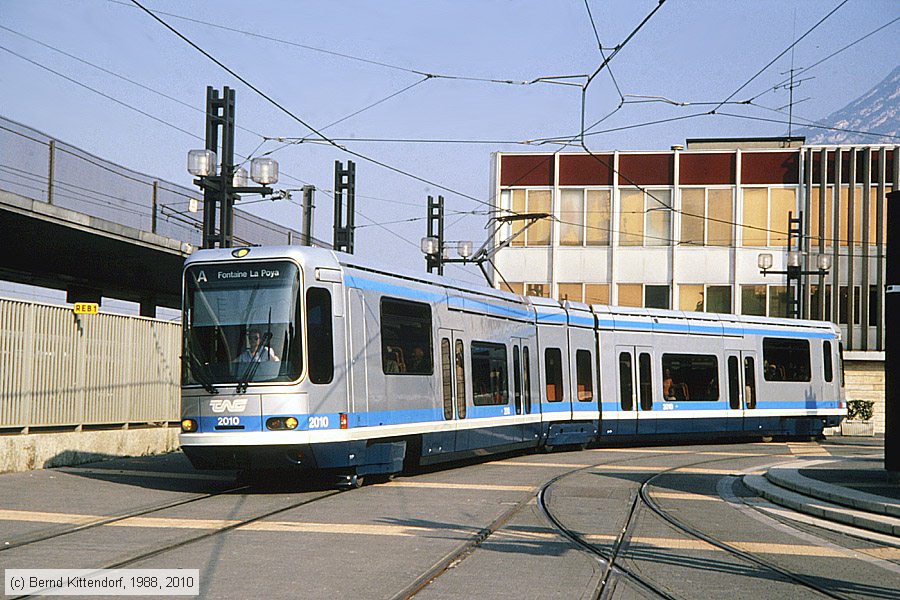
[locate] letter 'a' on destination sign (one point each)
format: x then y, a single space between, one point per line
86 308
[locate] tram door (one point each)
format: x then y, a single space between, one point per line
453 374
635 390
358 342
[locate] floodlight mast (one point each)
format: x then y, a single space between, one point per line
221 184
433 245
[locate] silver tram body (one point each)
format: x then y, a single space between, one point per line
371 368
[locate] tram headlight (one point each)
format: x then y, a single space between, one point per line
275 423
188 425
291 423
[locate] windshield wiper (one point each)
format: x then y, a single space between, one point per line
244 381
201 373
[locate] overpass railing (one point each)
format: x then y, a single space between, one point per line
92 371
41 168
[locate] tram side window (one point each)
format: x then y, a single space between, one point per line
786 360
827 361
526 380
691 377
517 379
734 384
405 338
320 335
460 380
626 384
841 359
584 374
446 378
749 382
490 379
554 372
644 381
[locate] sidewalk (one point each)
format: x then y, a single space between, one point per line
853 491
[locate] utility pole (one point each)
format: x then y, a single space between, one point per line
344 189
892 341
309 192
435 260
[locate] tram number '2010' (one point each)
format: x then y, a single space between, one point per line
318 422
227 421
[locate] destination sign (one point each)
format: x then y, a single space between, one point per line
240 273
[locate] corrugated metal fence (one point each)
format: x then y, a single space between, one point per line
56 371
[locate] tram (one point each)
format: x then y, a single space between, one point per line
308 358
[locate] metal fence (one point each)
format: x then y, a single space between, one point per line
38 167
59 371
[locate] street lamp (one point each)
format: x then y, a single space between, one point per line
223 189
793 272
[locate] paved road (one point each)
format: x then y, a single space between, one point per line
481 530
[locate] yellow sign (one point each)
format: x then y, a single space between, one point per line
86 308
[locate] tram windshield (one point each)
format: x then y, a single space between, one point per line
242 324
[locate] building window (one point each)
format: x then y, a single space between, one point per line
753 300
596 293
720 225
718 299
700 298
514 287
531 201
693 216
656 296
766 215
631 217
690 298
842 306
786 360
405 337
706 216
658 204
755 223
778 301
571 217
571 291
537 289
783 203
598 218
631 294
490 381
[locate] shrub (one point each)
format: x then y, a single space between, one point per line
860 410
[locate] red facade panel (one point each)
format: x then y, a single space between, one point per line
586 169
526 169
646 169
706 168
770 167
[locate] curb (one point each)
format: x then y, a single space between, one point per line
821 508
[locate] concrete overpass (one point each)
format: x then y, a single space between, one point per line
88 257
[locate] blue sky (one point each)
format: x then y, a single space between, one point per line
688 51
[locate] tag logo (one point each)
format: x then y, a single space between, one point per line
219 405
201 277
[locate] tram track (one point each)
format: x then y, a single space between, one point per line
467 548
174 545
108 520
614 569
